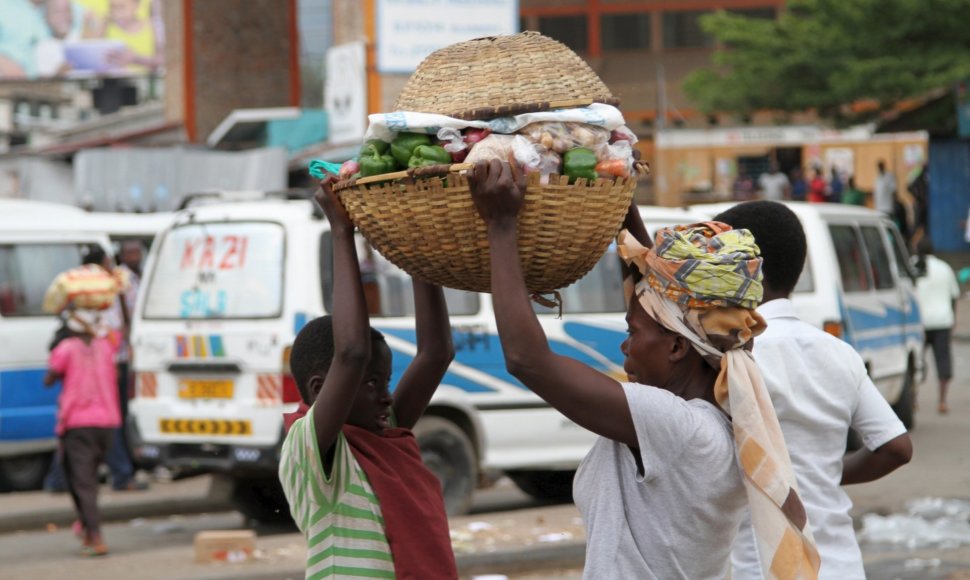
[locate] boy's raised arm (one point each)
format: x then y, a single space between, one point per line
435 353
585 395
351 330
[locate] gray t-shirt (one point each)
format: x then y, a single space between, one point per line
679 518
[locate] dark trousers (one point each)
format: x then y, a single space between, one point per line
84 450
118 459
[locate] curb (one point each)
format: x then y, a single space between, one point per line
564 555
155 507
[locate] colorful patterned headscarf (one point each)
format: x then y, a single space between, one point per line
703 282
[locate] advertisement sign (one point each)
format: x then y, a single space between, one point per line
80 38
345 92
409 30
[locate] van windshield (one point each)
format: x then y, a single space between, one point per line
218 270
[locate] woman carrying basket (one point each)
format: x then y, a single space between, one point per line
661 491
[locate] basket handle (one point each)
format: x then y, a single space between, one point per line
426 171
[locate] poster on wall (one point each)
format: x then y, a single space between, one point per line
80 38
409 30
345 92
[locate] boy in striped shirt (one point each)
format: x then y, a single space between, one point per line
350 467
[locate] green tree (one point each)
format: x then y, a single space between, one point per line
827 54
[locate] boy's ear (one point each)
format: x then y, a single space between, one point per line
313 387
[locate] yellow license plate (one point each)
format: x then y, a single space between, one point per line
205 389
205 427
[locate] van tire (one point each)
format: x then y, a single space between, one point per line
904 406
449 454
260 498
24 472
553 486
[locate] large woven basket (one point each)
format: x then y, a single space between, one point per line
499 76
429 227
424 221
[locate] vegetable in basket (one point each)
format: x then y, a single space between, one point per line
425 155
373 146
402 147
579 162
376 164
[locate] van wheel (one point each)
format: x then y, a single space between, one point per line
260 499
448 453
24 472
904 406
556 486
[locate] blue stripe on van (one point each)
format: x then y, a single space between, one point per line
28 409
605 341
483 352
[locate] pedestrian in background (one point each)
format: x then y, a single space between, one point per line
884 192
118 318
835 187
743 187
938 292
799 186
774 184
853 195
817 188
87 415
819 388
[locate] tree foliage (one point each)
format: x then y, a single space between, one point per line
828 54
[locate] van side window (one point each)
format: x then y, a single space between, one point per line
598 292
903 267
882 272
26 270
852 262
387 288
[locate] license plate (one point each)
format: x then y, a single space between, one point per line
204 427
205 389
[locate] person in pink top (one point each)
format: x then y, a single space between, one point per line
88 413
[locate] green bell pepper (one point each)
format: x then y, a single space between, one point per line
578 163
402 147
429 155
374 146
376 164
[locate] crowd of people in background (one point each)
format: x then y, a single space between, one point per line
909 208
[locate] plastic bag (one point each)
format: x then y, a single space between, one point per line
615 160
87 287
561 136
495 146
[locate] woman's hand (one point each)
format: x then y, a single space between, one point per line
332 208
498 190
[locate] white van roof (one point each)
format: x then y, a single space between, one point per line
127 225
801 208
271 208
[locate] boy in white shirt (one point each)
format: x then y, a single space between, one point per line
937 292
819 388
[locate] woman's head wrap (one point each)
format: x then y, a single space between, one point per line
703 281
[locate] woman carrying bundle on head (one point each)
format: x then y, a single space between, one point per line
661 492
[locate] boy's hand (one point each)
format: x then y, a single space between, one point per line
498 190
332 208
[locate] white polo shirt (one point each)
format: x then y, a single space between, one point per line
819 387
936 292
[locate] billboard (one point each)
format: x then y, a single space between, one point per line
409 30
80 38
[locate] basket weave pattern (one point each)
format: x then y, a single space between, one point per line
500 75
431 229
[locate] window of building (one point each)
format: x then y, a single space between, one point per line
569 30
683 30
625 31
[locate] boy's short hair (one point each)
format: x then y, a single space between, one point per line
313 352
779 236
